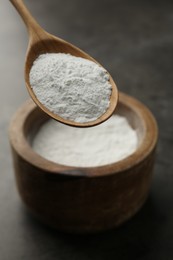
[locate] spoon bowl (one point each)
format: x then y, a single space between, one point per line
41 42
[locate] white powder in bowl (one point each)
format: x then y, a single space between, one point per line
107 143
74 88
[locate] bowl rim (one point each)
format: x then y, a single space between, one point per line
21 145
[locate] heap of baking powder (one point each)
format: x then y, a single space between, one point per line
74 88
107 143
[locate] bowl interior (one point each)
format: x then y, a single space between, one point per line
134 119
29 118
37 118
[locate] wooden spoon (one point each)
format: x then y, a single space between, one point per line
42 42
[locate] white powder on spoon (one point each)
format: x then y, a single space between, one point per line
74 88
107 143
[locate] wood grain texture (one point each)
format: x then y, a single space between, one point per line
83 199
42 42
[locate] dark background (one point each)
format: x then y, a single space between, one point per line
133 39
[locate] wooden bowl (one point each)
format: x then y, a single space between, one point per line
87 199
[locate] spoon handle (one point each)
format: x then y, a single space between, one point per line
33 27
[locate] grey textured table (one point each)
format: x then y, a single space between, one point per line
134 40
